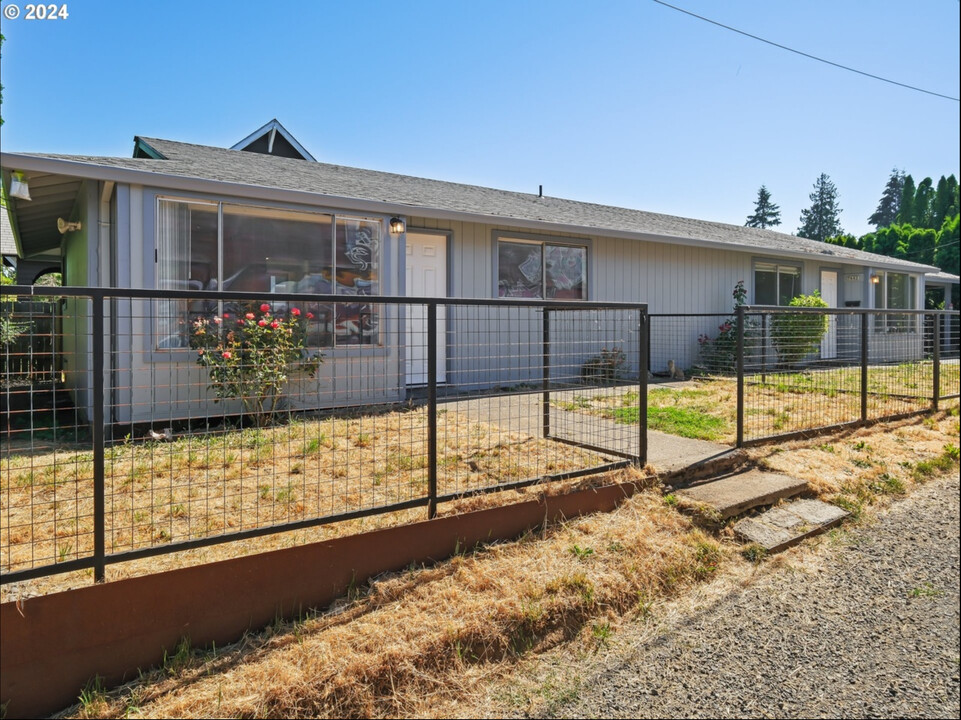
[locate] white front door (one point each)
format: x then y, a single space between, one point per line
426 277
829 293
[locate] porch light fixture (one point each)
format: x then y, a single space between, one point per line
19 187
875 279
397 226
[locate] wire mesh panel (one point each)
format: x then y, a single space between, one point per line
46 479
809 369
195 418
689 345
797 376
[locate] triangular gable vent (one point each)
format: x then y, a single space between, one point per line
274 139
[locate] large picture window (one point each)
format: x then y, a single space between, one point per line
776 284
211 246
541 269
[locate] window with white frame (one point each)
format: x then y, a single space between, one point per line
894 291
545 269
776 284
216 245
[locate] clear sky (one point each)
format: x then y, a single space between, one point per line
623 103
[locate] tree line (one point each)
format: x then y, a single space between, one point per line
913 221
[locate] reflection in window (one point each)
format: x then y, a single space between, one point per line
357 264
541 270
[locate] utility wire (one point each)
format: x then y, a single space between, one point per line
807 55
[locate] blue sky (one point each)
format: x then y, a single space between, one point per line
623 103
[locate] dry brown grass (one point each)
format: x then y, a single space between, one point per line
212 484
444 641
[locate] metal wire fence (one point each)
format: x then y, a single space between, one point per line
183 419
810 369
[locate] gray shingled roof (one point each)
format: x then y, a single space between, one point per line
411 193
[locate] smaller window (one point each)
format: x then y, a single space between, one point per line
776 284
894 291
532 269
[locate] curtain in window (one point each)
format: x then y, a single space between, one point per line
173 270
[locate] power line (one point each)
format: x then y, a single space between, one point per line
807 55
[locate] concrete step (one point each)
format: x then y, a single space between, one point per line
780 527
737 493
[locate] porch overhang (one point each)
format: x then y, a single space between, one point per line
34 221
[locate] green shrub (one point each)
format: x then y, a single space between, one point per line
797 335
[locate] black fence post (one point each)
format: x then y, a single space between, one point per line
864 367
546 373
432 410
97 433
740 376
937 361
643 368
763 348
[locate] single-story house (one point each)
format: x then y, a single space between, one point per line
265 216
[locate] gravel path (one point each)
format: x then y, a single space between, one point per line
872 632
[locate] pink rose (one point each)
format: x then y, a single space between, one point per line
262 323
310 316
239 321
265 308
275 324
217 320
227 355
226 315
249 316
295 312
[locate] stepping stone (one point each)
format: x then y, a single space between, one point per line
735 494
781 527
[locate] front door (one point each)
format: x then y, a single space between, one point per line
426 277
829 293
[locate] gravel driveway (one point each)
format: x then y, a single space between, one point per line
870 631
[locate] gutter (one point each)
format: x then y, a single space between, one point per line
382 207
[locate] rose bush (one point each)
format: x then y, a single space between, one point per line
251 360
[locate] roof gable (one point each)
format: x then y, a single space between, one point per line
274 139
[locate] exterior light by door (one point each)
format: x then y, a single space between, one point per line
875 279
397 226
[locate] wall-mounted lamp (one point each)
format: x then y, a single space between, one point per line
397 226
64 227
875 279
19 187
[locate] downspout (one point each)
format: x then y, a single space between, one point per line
103 242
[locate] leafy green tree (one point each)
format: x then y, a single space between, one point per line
848 241
946 251
906 212
2 38
766 213
887 211
822 219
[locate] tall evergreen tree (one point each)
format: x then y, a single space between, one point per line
822 219
945 205
906 213
890 203
923 197
766 213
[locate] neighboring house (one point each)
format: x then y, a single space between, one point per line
265 216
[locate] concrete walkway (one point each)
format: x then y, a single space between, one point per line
523 413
